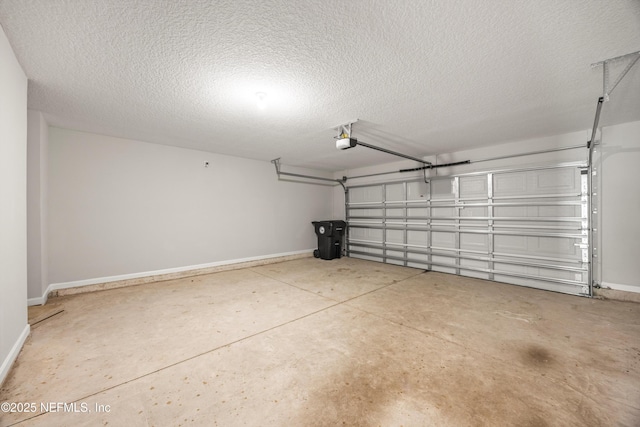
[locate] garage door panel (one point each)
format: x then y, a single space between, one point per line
475 242
417 224
443 224
443 240
558 181
473 225
522 227
473 187
395 192
417 258
513 184
558 211
441 263
442 189
548 273
474 274
441 269
511 211
515 227
422 212
365 234
535 283
537 246
565 247
366 194
417 190
374 234
357 233
370 212
474 211
395 213
537 211
510 244
369 257
444 260
395 236
537 182
420 265
394 253
445 213
417 237
473 268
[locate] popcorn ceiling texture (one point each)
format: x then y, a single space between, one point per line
423 77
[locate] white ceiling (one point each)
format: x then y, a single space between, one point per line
423 77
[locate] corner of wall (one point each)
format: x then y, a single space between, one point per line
37 147
617 159
14 327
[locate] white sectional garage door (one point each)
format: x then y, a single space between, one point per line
527 227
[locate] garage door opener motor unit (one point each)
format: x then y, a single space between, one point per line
329 238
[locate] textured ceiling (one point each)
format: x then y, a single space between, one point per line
423 77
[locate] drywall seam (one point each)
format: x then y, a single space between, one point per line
7 363
112 282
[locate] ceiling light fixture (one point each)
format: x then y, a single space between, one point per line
261 100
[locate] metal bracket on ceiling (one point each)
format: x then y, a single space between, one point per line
344 130
632 59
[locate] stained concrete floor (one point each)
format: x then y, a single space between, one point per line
342 342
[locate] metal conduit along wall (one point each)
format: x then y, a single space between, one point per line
525 226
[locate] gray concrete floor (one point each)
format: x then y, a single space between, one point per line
342 342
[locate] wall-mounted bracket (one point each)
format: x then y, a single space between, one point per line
607 88
344 130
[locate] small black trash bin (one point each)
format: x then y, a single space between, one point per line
329 238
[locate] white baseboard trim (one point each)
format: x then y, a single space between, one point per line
38 300
165 274
7 363
619 287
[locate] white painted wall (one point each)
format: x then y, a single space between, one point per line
37 153
620 206
13 207
120 207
